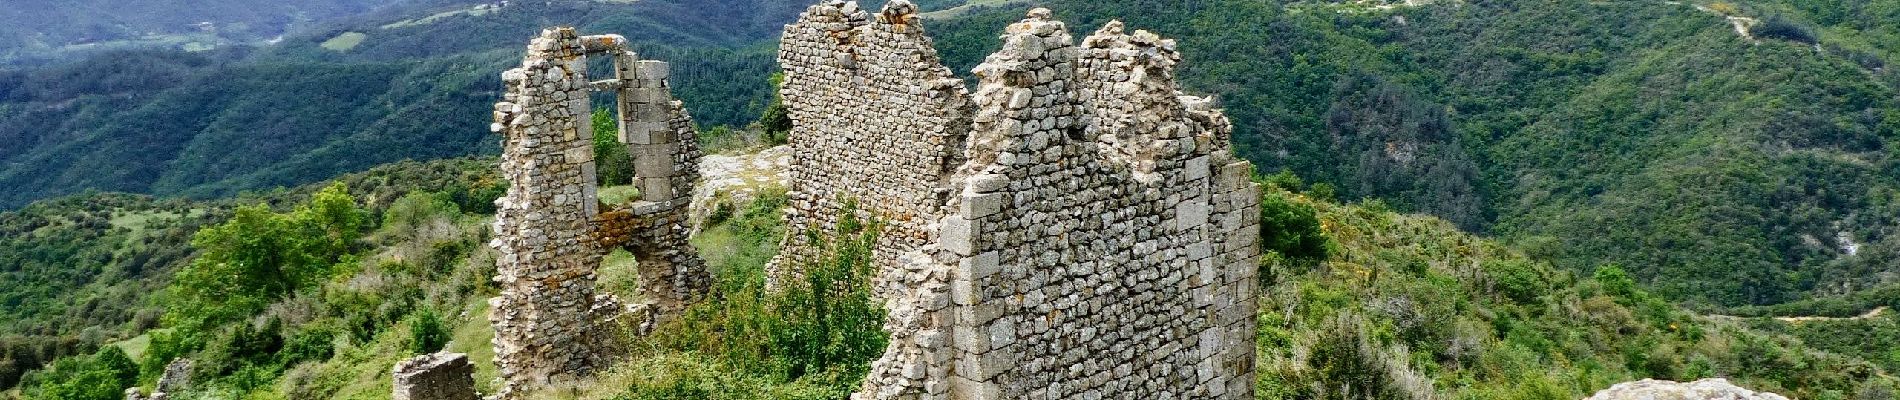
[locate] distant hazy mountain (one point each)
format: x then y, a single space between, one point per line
38 30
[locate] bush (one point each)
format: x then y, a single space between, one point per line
1780 27
1517 280
259 256
427 333
612 163
1292 231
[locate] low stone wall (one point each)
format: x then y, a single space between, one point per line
439 376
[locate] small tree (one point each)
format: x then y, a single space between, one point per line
612 164
427 333
259 256
777 119
1292 231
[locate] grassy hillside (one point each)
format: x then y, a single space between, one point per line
1408 307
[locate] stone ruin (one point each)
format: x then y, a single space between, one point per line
174 379
551 230
1076 227
439 376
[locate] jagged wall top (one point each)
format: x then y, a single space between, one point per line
1075 228
878 120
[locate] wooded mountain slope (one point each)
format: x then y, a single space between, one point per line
1720 168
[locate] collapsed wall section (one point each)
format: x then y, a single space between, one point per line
878 120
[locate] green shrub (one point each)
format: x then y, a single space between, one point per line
410 212
613 165
427 333
1517 280
259 256
1291 230
1780 27
776 120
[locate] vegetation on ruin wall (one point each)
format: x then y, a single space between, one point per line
1717 170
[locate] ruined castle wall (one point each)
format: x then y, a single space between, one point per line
1105 238
877 119
550 229
1094 237
546 256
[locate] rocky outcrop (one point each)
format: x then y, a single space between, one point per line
1706 389
175 378
439 376
729 181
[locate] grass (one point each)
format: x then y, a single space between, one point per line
619 274
345 41
475 11
472 337
619 194
135 347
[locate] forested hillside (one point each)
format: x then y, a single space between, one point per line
1722 169
408 86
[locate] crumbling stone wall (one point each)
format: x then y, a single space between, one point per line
879 121
550 231
1089 235
439 376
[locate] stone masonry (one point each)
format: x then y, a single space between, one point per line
550 229
877 119
1076 228
440 376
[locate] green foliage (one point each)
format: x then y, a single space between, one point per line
103 376
414 211
1407 307
613 166
813 338
1292 231
1618 283
77 272
1780 27
1516 279
776 121
427 334
260 256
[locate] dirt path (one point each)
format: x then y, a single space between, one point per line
1875 313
